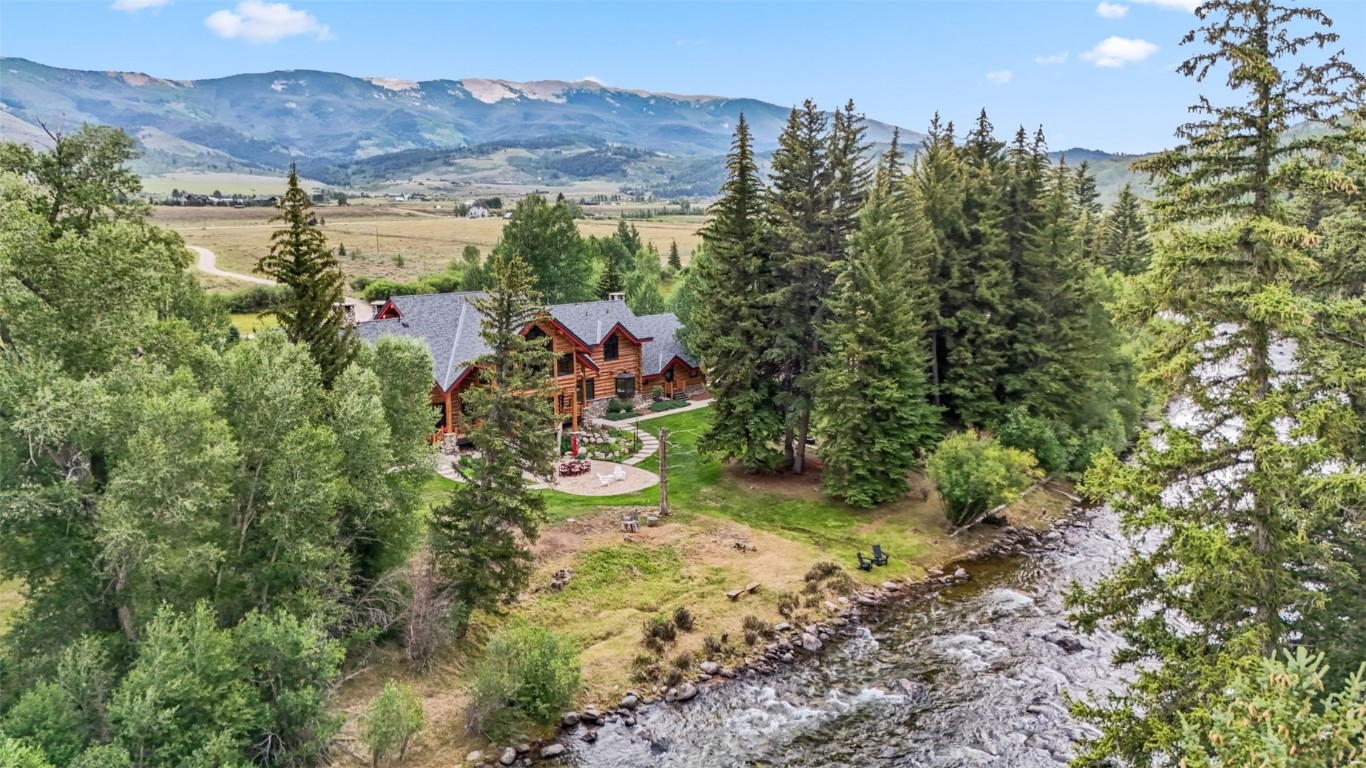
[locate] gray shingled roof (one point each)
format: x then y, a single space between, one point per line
591 321
664 344
449 324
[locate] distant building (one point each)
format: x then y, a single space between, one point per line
478 212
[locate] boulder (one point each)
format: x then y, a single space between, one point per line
551 750
591 716
569 719
960 574
709 667
475 757
1068 643
891 586
508 757
811 643
629 701
589 736
685 692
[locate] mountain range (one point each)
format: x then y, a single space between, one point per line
355 131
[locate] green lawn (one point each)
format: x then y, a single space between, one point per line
9 603
251 323
790 507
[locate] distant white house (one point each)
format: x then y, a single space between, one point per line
478 212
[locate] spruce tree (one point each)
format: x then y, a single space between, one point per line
871 394
937 184
612 280
978 294
1235 497
732 330
300 260
1125 247
1053 359
477 537
797 206
1090 221
675 261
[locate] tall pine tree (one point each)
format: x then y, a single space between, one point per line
872 396
732 329
797 206
1234 496
477 536
300 260
1125 247
978 292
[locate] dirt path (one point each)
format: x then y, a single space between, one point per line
207 262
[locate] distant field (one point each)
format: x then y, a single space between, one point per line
205 182
377 237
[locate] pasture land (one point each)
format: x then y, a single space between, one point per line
380 237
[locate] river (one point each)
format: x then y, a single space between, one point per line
985 676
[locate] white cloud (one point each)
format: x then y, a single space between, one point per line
257 21
1000 77
591 79
1117 51
1111 10
1185 5
133 6
1057 58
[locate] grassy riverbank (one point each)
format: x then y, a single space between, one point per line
784 526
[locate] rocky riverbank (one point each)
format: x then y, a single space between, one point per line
790 645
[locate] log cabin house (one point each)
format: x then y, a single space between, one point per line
602 350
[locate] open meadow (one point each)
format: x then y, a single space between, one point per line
387 241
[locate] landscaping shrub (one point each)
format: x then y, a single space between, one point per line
617 405
788 604
657 393
712 647
683 619
976 474
526 676
258 298
821 571
756 625
660 629
1039 437
683 660
666 405
393 718
751 637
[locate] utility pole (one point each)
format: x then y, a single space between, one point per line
663 472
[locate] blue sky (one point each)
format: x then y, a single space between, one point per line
1094 74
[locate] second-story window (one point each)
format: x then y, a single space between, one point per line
564 366
609 348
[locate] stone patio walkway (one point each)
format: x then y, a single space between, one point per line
589 484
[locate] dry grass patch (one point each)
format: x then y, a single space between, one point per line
375 235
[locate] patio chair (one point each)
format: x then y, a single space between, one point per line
879 557
864 564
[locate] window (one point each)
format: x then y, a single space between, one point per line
610 350
589 390
626 387
565 365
